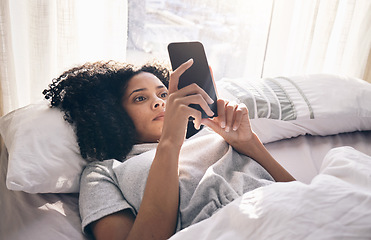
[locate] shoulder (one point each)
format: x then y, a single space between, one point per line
97 170
104 165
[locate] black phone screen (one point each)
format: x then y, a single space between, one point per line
199 72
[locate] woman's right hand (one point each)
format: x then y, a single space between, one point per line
178 110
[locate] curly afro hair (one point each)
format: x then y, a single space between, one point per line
91 98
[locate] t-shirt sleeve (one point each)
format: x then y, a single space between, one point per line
99 194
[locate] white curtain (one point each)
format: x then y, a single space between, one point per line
329 36
40 39
258 38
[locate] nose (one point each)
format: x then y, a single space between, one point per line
159 102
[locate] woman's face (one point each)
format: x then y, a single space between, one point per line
144 101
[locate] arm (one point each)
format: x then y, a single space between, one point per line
157 216
259 153
233 124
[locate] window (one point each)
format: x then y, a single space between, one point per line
253 39
224 27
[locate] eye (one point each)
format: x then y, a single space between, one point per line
164 95
139 99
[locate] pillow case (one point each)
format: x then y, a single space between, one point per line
44 156
318 104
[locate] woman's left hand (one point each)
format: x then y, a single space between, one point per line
232 123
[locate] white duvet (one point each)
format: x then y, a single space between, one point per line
335 205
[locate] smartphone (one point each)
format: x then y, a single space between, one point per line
199 72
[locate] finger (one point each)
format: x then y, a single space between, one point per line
221 112
175 75
211 123
197 121
197 99
229 116
182 68
241 110
194 89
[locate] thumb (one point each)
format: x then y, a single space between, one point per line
213 125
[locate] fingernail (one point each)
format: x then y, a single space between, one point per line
222 124
227 129
235 128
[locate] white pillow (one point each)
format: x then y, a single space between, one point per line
43 156
320 104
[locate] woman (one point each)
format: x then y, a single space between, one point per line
156 189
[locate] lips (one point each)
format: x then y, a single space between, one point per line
160 116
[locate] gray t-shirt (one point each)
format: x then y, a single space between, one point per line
211 175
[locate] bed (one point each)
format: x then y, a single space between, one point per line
317 126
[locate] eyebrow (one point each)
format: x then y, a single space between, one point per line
143 89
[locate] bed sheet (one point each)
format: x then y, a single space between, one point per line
302 156
55 216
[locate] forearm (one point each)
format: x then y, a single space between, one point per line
256 150
157 216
